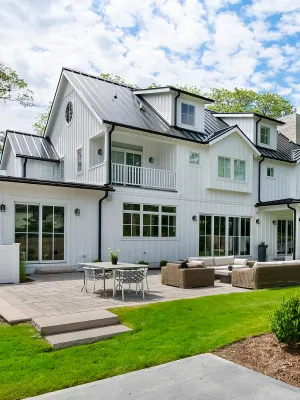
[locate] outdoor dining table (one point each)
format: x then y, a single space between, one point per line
108 266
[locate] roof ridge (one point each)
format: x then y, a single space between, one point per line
24 133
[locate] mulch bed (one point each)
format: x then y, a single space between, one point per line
265 355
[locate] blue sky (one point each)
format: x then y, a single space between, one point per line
208 43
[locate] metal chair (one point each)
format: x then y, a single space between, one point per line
92 274
130 276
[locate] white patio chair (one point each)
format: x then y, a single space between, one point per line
130 276
92 274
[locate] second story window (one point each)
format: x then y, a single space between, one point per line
187 114
270 172
79 160
239 170
194 158
264 135
223 167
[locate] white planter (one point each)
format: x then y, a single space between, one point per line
30 270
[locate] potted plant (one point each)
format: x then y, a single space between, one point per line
262 252
229 266
114 256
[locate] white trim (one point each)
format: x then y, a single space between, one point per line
152 91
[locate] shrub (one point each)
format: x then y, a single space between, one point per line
285 322
163 263
22 268
142 262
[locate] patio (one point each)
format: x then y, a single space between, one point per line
59 294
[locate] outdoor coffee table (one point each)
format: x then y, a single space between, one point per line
225 276
108 266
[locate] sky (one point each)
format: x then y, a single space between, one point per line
208 43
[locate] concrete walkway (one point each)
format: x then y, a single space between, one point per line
204 377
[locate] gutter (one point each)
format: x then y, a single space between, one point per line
294 235
259 178
256 130
175 111
109 165
24 167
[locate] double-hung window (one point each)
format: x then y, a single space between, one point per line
79 160
270 172
187 114
194 158
146 220
239 170
223 167
264 135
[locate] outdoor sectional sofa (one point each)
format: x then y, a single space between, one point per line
268 275
221 263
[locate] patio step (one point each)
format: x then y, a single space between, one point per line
74 322
69 339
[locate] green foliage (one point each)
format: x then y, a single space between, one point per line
97 261
41 121
163 263
113 254
22 267
262 244
285 322
246 100
13 88
117 79
142 262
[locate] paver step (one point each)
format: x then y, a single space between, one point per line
74 322
69 339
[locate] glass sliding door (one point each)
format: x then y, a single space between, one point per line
27 230
219 236
284 237
205 231
233 236
53 233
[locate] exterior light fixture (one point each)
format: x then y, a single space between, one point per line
274 222
2 208
77 212
258 221
151 160
194 217
99 152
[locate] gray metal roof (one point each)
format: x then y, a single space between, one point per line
213 125
284 151
32 146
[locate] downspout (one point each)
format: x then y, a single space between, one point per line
256 131
24 167
294 236
259 178
106 193
175 111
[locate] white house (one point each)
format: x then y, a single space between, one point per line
150 172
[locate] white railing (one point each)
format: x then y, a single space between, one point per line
144 177
97 174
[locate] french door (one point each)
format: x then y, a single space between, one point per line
284 237
128 169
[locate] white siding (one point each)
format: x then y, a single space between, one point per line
37 169
273 134
199 112
246 124
163 103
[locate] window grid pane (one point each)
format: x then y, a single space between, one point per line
187 114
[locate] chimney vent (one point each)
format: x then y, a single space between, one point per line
115 94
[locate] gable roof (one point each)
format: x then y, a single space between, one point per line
27 145
248 114
169 88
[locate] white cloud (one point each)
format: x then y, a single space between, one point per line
268 7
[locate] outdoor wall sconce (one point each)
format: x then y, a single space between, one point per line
99 152
77 212
2 208
194 217
274 222
151 160
258 221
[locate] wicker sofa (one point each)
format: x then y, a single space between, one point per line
221 263
187 278
268 275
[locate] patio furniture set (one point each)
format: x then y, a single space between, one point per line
131 274
202 271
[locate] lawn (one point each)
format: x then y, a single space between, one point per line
161 333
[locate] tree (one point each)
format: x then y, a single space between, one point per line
13 88
246 100
41 121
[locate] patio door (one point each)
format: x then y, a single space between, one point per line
284 237
128 166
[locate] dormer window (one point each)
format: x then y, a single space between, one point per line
264 135
187 114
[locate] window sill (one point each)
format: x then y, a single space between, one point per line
231 180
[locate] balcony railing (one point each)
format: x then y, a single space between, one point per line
143 177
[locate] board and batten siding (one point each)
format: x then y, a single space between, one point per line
163 103
246 124
68 138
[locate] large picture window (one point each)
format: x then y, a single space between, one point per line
220 236
40 230
146 220
239 170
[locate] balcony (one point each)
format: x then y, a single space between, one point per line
143 177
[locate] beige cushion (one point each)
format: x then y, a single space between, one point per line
209 261
221 261
276 263
240 261
197 264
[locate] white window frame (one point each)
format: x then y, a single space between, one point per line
192 154
230 168
159 213
80 149
272 176
265 135
189 105
240 161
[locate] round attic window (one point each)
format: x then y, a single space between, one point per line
69 112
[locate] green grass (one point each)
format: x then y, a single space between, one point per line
161 332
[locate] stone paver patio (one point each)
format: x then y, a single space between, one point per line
58 294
